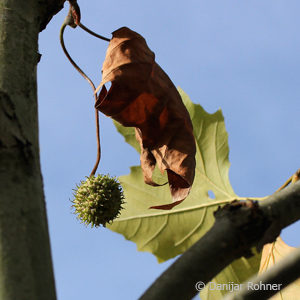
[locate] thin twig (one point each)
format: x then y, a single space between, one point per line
270 282
295 177
285 184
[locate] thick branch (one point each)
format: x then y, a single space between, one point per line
272 281
238 227
25 258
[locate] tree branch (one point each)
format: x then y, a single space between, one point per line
25 255
277 277
238 227
49 8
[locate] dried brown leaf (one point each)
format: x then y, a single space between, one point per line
143 96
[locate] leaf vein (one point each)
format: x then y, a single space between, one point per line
194 229
160 229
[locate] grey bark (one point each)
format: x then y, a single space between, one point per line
238 228
25 258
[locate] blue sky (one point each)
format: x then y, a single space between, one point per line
240 56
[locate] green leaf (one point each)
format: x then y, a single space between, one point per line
170 233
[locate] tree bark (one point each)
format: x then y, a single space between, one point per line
239 226
25 258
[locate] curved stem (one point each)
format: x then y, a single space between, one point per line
61 35
94 89
98 141
93 33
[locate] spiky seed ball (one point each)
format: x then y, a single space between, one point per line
98 200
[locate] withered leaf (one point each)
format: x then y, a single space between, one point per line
143 96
